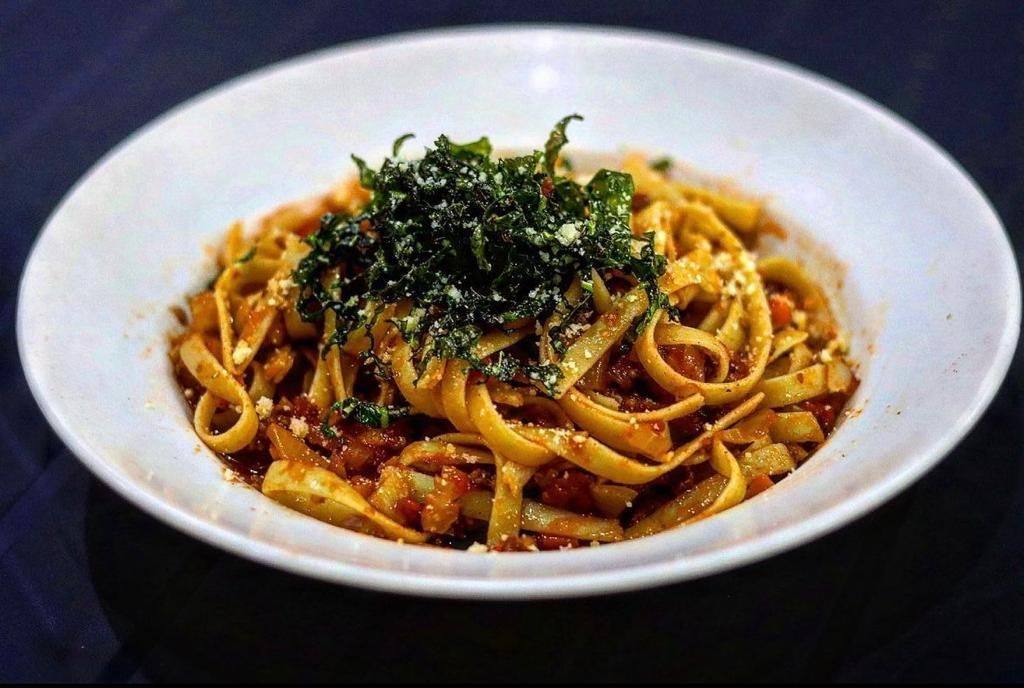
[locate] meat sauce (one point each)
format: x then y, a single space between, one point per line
359 452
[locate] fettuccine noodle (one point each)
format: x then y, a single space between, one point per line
737 377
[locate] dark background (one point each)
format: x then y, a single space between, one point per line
930 587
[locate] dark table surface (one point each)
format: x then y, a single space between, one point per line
931 586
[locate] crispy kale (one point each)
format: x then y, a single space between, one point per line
363 412
472 243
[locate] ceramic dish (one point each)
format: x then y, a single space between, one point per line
892 226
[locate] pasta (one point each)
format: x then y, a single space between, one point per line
511 356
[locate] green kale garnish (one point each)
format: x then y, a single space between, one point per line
364 412
472 243
397 145
556 141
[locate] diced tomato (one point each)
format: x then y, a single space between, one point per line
278 364
758 484
409 509
353 454
438 518
824 410
461 484
390 437
441 507
781 306
363 485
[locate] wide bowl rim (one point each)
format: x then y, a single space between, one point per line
560 585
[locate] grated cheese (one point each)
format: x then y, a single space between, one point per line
264 405
298 427
241 352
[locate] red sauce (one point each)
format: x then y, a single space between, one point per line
409 510
686 360
517 543
441 508
781 306
634 403
549 542
566 489
757 485
690 426
250 464
358 452
624 372
739 366
826 409
660 490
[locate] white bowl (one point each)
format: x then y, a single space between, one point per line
922 266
